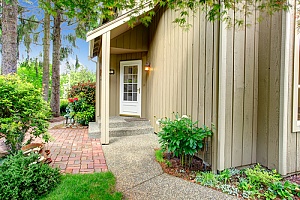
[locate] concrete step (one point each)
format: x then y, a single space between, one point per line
118 122
122 126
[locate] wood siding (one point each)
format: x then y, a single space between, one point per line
184 79
269 59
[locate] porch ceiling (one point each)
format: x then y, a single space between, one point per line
114 50
116 28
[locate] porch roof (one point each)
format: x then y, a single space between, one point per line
116 28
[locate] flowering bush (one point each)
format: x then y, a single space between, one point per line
80 110
22 110
182 137
84 90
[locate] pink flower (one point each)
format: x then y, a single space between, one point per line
75 99
71 100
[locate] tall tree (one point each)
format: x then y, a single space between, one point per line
9 36
55 93
46 49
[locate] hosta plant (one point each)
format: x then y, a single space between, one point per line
182 137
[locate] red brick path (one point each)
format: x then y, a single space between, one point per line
74 152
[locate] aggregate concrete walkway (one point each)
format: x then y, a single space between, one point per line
74 152
139 176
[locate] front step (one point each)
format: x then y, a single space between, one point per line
118 122
122 126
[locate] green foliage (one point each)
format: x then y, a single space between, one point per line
22 109
80 110
23 178
254 182
159 156
259 176
63 106
84 90
207 179
97 186
32 71
182 137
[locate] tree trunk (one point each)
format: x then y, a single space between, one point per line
9 36
55 94
46 49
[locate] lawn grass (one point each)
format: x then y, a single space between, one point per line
86 186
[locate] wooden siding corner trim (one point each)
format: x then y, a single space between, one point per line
283 122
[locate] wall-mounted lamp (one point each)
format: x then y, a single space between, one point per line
111 71
147 66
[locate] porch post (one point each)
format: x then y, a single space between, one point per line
284 92
98 92
222 98
105 63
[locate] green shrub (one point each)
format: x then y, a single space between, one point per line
22 178
182 137
82 103
63 106
85 91
22 109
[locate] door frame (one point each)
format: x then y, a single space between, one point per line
139 96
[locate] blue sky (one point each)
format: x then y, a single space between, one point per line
36 50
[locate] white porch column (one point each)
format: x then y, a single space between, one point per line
284 91
222 98
105 63
98 89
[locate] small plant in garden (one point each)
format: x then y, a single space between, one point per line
79 110
182 137
253 182
63 106
81 106
24 178
22 110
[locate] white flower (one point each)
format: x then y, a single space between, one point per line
184 116
158 122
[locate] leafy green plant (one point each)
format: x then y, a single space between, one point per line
258 176
253 182
22 110
182 137
79 110
63 106
207 179
85 91
159 156
224 176
23 178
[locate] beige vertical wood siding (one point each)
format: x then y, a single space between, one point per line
269 59
184 79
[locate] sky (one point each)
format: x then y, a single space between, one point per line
82 51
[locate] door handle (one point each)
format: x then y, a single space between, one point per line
139 90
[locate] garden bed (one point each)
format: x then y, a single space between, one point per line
255 182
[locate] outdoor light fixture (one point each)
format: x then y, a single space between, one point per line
111 71
147 66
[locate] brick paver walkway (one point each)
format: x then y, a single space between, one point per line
74 152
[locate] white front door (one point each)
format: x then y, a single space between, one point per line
130 87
